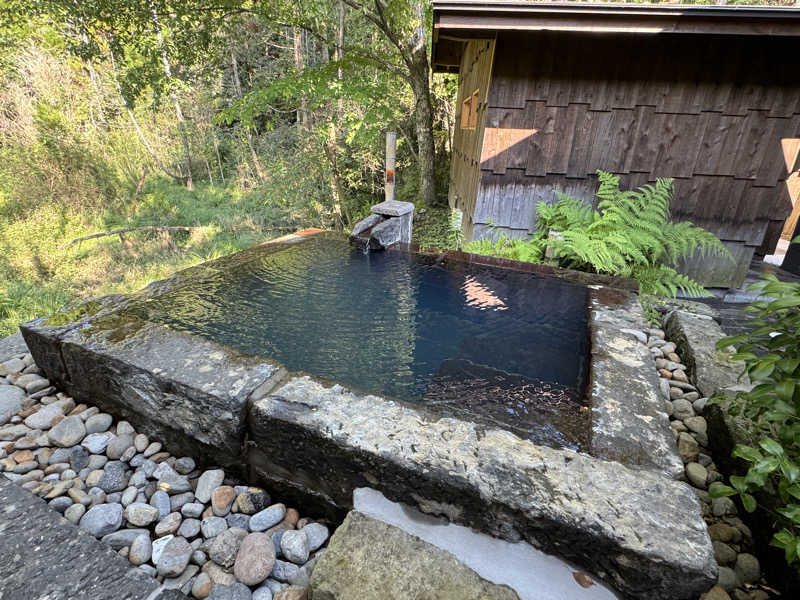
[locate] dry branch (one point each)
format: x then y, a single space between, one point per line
119 232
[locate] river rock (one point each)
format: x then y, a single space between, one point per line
140 514
283 571
96 443
160 499
224 547
208 482
221 500
184 465
102 519
213 526
747 568
174 557
192 509
696 474
68 432
294 546
141 550
168 524
238 520
98 423
269 517
235 591
189 528
262 593
113 478
123 537
292 592
316 533
255 559
202 585
252 500
43 418
217 574
74 513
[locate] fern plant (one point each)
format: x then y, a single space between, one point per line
629 235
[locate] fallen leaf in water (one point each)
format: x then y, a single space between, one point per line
583 579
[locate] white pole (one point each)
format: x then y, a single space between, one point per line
391 148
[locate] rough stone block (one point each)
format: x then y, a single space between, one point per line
371 560
643 530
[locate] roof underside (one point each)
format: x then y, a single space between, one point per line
455 21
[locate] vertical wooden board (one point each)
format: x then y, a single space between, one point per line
601 131
537 161
502 140
542 52
717 149
642 156
680 146
578 162
772 168
527 202
563 136
719 85
504 202
623 128
523 125
484 198
752 145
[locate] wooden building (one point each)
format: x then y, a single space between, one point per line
550 93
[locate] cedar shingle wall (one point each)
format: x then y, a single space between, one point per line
708 111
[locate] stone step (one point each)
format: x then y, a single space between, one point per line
368 559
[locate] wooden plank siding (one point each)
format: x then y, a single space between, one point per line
465 173
710 111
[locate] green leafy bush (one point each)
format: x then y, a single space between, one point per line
771 353
629 235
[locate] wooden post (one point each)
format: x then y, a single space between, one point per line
391 148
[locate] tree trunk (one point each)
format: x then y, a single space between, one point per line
216 151
299 62
178 112
419 72
423 116
253 155
178 179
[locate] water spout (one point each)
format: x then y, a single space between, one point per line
389 223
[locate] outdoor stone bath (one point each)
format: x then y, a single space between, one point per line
593 476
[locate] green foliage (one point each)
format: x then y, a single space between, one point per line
629 235
770 350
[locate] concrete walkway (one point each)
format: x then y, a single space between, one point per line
42 555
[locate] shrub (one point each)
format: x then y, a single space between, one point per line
771 353
629 235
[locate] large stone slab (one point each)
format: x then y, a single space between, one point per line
368 559
169 385
531 573
42 555
696 336
629 424
639 530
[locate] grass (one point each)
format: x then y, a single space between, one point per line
39 275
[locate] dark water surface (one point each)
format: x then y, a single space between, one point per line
496 346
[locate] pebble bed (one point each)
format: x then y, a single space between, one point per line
739 570
197 531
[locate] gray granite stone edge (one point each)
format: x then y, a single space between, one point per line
641 531
629 424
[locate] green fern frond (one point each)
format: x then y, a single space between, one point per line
629 235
